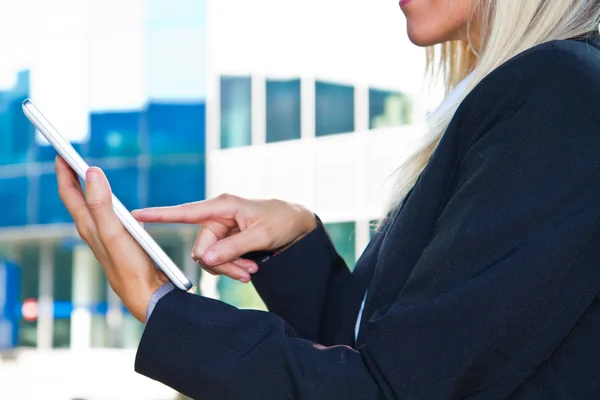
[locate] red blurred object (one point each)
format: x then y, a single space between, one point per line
29 309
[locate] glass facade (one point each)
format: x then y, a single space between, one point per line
334 108
236 111
152 156
29 260
63 296
283 110
174 141
388 108
17 132
343 237
175 129
115 134
238 294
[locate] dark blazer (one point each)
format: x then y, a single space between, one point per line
484 285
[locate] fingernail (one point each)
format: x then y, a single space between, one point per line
92 175
244 280
251 270
210 257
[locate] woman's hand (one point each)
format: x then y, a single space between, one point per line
233 226
129 270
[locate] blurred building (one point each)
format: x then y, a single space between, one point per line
315 102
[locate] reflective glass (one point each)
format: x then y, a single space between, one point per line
236 111
114 134
283 110
387 108
171 184
124 184
238 294
175 128
17 131
343 236
29 259
13 197
46 153
334 108
51 209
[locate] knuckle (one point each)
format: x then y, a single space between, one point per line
210 270
109 236
61 192
229 198
96 207
84 231
197 254
224 196
266 235
184 209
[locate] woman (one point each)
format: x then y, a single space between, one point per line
483 281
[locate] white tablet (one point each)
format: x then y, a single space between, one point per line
64 148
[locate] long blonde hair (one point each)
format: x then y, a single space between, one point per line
507 28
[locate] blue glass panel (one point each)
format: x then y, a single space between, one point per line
176 184
283 110
7 136
23 132
238 294
343 237
46 153
387 108
334 108
176 128
13 198
124 183
114 134
51 209
17 132
236 111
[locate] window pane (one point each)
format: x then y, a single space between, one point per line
236 111
388 108
50 208
132 330
48 154
176 184
13 197
283 110
343 237
238 294
63 274
61 333
29 260
334 111
124 184
114 134
17 131
63 296
373 227
175 128
173 246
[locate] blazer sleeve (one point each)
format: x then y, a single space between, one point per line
511 268
300 283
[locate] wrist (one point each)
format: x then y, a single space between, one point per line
137 303
306 223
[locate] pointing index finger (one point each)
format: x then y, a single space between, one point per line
188 213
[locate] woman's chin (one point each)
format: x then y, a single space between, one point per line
423 37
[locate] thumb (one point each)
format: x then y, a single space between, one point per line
99 200
232 247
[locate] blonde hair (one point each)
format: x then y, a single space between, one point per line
507 28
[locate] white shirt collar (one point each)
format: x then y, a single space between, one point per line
451 99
